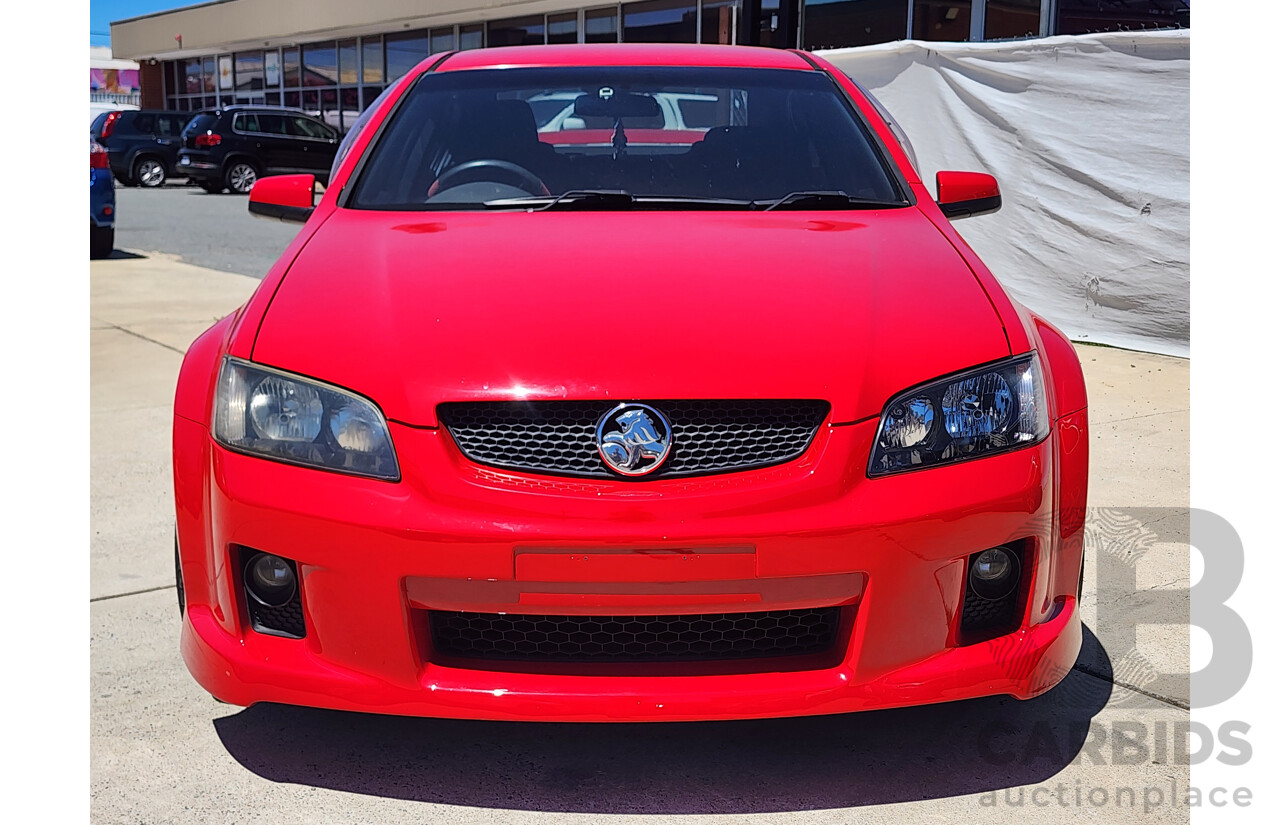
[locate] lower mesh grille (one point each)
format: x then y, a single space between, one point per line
286 620
981 615
702 637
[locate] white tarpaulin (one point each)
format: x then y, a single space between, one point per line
1089 137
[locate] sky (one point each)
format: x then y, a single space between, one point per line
102 12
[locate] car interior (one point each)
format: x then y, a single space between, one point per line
471 148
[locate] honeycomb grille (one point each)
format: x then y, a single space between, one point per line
703 637
286 620
983 615
559 437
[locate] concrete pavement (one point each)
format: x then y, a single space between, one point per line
164 751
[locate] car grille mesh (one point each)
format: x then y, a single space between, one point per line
700 637
559 437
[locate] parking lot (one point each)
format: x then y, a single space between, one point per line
162 750
212 231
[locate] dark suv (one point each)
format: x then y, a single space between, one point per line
231 147
142 146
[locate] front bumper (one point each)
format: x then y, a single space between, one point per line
373 557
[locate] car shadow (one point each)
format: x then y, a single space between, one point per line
760 766
121 255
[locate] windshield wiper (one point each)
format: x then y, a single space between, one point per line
822 200
615 199
573 199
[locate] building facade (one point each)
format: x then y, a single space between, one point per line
112 81
333 57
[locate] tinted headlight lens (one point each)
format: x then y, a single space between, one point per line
294 419
976 413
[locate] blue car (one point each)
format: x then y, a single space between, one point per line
102 203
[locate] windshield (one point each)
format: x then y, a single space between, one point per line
625 137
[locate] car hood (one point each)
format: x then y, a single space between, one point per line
415 309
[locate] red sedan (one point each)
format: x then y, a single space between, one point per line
723 424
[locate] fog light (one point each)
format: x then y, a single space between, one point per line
993 574
271 580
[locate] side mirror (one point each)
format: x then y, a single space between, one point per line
288 198
964 194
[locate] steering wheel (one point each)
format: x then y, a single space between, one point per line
522 177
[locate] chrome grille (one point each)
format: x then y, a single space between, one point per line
559 437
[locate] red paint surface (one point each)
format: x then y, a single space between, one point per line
412 310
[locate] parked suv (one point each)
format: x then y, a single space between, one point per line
142 146
231 147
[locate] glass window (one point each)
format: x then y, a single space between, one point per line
249 71
350 105
404 51
194 80
660 21
319 64
292 68
442 40
226 73
348 62
601 26
172 86
144 124
247 123
293 100
371 53
199 123
1084 16
835 24
273 98
306 127
369 94
210 75
769 35
517 31
271 68
562 28
272 124
168 125
329 111
758 134
471 37
717 21
942 20
1011 18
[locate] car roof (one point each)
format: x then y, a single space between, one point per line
624 54
251 107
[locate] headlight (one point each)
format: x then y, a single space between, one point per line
286 417
977 413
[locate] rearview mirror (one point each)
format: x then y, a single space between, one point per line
614 105
288 198
966 194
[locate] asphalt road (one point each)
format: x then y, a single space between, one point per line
213 231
